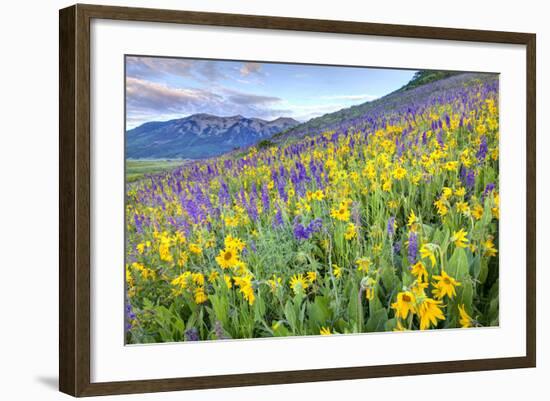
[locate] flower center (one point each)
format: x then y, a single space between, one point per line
447 281
228 255
406 298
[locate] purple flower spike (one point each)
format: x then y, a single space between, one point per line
391 226
413 248
192 334
482 151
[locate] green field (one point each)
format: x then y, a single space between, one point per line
137 169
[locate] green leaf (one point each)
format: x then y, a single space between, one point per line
388 276
319 310
390 324
467 294
476 266
483 270
279 329
377 320
457 266
353 306
290 315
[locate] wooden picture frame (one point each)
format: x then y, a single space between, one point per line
74 199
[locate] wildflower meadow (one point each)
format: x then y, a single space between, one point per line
385 222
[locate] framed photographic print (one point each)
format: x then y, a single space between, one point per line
280 200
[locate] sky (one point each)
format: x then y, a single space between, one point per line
161 89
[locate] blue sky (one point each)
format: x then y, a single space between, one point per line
160 89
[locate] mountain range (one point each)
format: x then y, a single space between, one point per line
200 136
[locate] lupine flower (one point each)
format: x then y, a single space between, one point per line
440 138
278 221
488 188
391 226
130 317
396 247
482 151
300 232
192 334
412 249
265 198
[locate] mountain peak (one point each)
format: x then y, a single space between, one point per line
200 135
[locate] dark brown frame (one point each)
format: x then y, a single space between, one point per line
74 199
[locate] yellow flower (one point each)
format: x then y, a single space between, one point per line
325 331
182 280
427 252
318 195
406 302
140 248
489 247
298 283
183 258
227 258
399 173
419 271
477 212
179 237
412 221
495 210
164 252
195 248
363 264
419 288
234 243
465 319
461 191
441 206
337 271
447 193
341 213
463 207
228 281
245 287
144 271
274 283
451 166
393 204
430 312
231 221
445 286
386 186
213 276
129 278
311 276
459 238
198 278
200 295
351 232
369 288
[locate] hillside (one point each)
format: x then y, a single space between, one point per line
419 89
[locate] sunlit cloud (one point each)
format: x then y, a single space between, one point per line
250 68
148 101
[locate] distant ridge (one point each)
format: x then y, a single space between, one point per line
200 136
